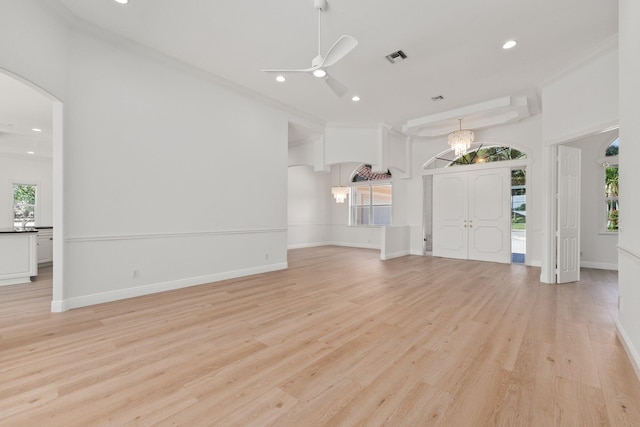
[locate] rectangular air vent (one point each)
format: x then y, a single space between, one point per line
396 57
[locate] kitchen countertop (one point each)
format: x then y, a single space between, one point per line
19 230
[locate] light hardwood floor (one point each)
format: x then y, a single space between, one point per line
339 339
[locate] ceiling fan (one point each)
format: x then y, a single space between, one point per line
319 64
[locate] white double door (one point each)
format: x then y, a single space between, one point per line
472 215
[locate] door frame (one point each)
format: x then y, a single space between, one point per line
57 109
427 205
550 207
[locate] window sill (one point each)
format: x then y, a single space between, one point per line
608 233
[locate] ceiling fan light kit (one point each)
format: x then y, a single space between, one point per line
320 63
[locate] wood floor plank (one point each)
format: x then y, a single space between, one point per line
340 338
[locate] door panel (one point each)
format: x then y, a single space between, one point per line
490 215
450 206
568 250
472 215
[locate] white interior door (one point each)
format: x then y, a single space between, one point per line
568 242
450 215
490 215
472 215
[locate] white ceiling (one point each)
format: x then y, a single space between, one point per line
21 110
453 47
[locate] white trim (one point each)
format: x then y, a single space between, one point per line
533 263
120 294
59 306
307 245
513 164
599 265
550 183
78 239
384 257
354 245
58 204
629 252
634 357
591 130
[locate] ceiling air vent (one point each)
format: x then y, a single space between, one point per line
396 57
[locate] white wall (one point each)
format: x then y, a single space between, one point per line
167 173
629 233
598 249
34 44
352 144
583 100
182 178
308 207
28 171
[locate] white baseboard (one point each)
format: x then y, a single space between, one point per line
343 244
629 348
599 265
59 306
100 298
308 245
394 255
355 245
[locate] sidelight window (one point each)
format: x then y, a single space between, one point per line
611 207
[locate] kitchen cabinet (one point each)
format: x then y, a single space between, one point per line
45 245
17 256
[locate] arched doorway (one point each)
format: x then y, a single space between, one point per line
31 124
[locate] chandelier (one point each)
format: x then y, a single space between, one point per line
460 140
339 192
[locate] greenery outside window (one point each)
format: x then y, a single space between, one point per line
611 188
24 205
488 154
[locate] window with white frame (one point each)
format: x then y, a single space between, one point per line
24 205
611 207
370 198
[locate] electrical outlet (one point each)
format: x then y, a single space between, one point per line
266 256
135 273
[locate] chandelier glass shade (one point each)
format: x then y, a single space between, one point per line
339 192
460 140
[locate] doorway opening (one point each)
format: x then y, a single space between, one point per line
31 146
518 215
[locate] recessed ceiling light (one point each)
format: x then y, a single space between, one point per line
36 130
355 98
319 72
122 1
30 152
280 79
509 44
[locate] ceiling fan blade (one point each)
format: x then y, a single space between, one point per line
339 50
337 87
305 70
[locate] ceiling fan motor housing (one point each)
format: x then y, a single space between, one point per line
320 4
